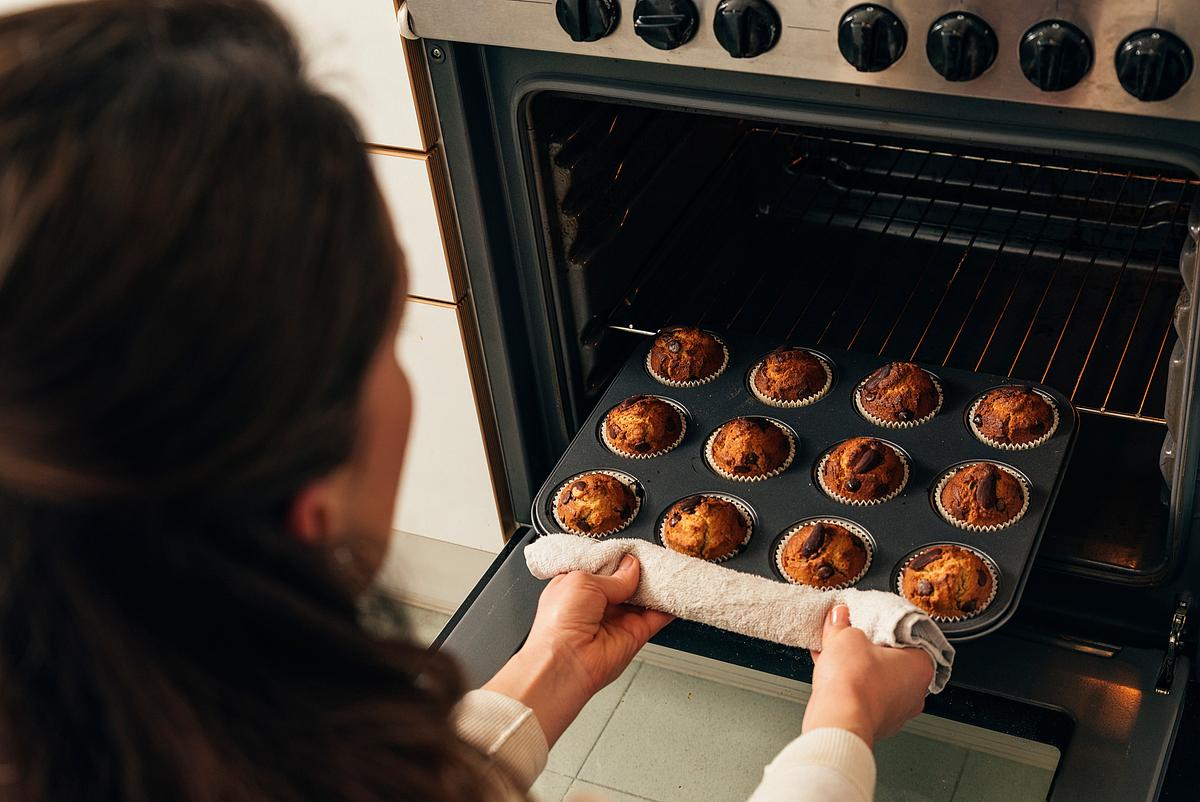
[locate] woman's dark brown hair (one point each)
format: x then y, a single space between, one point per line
195 269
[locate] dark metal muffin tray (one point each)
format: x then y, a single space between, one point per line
898 527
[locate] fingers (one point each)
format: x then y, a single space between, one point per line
624 581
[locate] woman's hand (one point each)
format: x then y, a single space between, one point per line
582 638
858 686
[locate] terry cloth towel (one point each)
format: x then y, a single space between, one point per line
700 591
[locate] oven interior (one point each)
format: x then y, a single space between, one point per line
1042 266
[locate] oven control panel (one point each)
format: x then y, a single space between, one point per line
1128 56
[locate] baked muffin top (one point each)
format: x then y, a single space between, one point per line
686 354
862 469
823 555
643 424
704 526
790 374
750 447
595 504
948 582
1013 415
982 494
899 392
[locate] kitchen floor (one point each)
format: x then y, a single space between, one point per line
658 735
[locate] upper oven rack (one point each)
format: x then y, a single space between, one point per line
1056 272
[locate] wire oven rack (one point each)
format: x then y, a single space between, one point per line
1056 272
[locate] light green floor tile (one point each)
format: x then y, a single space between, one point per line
572 749
992 779
424 624
916 769
675 738
550 787
589 792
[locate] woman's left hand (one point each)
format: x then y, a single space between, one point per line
582 638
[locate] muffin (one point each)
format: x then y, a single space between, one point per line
707 527
684 355
790 377
595 504
1013 417
948 582
750 448
863 470
823 554
981 496
643 425
898 394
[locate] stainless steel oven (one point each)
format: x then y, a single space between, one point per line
1006 188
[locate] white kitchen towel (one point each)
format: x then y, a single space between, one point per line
700 591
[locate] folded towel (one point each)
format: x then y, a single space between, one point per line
793 615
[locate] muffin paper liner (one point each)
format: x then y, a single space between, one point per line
854 529
945 619
862 502
950 519
694 382
799 402
623 478
899 424
712 463
1013 446
747 519
682 434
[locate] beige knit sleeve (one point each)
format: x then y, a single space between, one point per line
825 765
506 731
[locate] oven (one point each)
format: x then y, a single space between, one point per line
1005 188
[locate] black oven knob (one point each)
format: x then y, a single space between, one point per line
666 24
961 46
746 28
1055 55
588 20
871 38
1153 65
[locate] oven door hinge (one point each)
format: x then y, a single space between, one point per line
1166 672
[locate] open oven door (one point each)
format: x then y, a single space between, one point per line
1097 704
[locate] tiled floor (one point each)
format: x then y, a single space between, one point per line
657 735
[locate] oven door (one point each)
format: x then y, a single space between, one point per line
1079 668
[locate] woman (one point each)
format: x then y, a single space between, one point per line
201 430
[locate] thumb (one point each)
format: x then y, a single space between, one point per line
837 620
618 587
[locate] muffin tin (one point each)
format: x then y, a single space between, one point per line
897 527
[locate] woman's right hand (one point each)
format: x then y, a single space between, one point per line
867 689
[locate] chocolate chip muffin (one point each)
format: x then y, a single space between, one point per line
899 393
595 504
707 527
823 554
948 582
749 448
642 425
1012 416
789 375
981 496
686 355
863 470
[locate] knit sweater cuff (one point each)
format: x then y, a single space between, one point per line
836 749
506 731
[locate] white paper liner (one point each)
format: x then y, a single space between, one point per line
862 502
694 382
854 529
985 559
799 402
747 519
682 433
900 424
623 478
941 483
712 463
1013 446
